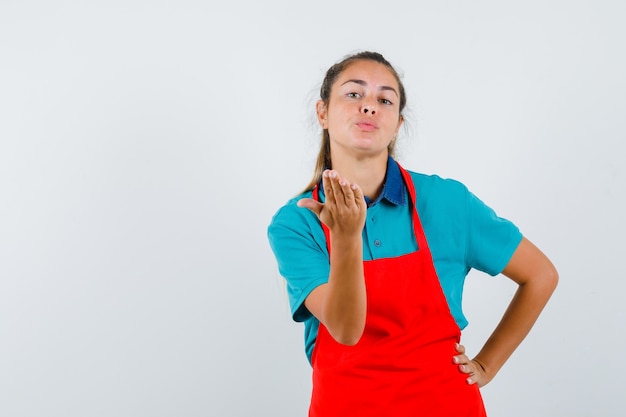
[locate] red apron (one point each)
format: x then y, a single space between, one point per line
402 365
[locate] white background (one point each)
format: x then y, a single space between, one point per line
144 147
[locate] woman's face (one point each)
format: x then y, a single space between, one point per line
363 112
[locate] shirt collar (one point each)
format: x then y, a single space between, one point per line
394 190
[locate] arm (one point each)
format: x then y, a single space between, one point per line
341 303
537 278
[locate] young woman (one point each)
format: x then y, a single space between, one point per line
375 259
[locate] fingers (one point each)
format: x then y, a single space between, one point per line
337 188
344 210
466 365
358 194
313 205
340 191
460 359
475 371
328 188
339 194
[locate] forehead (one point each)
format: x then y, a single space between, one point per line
373 73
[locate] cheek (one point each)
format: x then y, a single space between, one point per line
394 120
335 118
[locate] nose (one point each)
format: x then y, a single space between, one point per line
368 108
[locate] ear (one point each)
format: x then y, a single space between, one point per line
322 114
400 121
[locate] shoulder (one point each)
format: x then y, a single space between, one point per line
292 225
435 187
292 215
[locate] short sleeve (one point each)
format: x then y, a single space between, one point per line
297 240
492 240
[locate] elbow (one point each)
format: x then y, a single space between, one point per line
552 278
345 325
542 282
348 339
547 281
544 278
348 336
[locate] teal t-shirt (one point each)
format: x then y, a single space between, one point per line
462 233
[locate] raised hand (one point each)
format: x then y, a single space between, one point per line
345 208
341 304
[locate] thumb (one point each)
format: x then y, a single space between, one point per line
313 205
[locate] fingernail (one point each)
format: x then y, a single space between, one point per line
353 186
469 380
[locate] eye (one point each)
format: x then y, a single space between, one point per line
385 101
353 95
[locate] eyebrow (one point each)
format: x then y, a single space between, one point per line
363 83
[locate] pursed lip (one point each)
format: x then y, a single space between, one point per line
366 125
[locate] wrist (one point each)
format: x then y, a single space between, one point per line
480 363
346 241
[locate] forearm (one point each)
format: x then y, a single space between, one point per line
521 314
345 301
340 304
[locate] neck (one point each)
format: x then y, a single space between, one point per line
367 172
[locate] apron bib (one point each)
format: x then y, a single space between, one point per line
402 365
